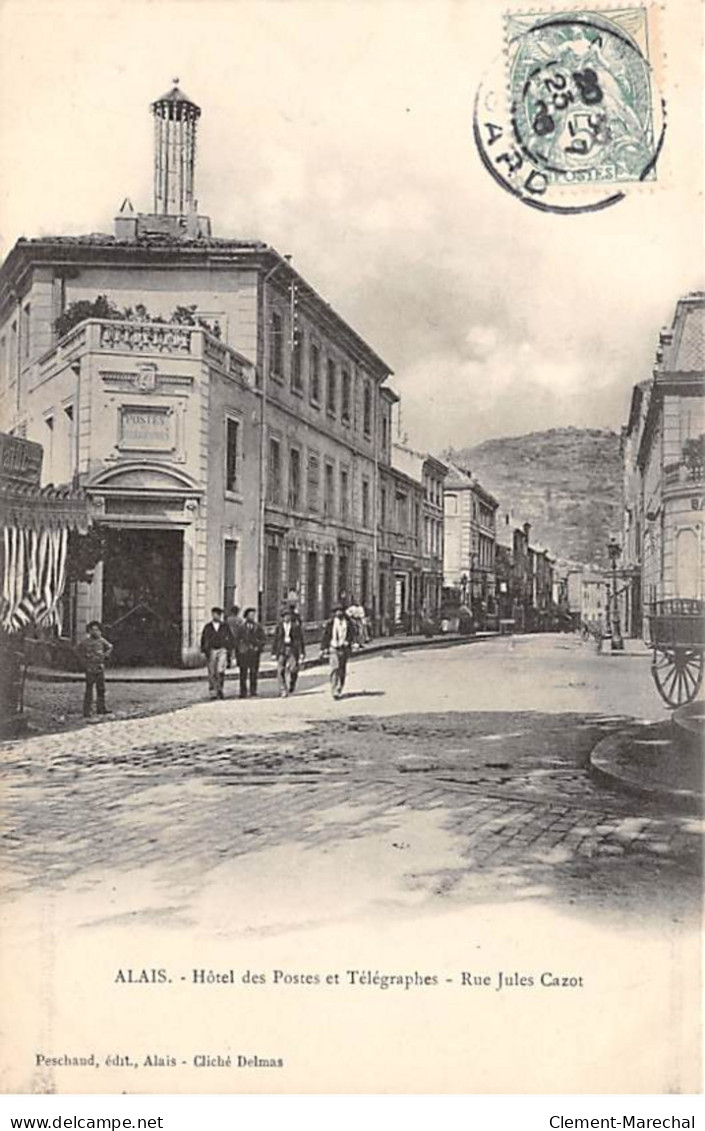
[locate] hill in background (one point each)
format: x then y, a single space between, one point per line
567 482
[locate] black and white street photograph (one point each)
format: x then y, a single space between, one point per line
352 547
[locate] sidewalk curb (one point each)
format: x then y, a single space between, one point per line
606 767
196 675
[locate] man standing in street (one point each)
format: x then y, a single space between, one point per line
289 650
337 641
93 651
249 643
217 645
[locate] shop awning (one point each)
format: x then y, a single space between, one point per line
34 528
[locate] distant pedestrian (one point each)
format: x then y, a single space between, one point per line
356 614
249 643
337 642
93 652
217 645
289 650
234 622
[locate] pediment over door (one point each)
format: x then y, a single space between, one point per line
144 477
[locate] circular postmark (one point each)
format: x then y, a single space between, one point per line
573 117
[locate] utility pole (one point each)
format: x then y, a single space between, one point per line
617 643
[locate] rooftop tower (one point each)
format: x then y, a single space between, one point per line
175 125
175 206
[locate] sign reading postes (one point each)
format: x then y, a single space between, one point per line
146 428
20 460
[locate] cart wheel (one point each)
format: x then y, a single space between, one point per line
677 675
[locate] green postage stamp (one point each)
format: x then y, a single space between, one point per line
577 105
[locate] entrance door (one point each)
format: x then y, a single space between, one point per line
142 588
272 586
311 585
328 568
400 601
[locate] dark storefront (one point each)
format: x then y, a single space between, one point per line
142 595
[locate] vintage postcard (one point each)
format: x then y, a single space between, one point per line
352 364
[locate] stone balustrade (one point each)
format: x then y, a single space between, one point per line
144 338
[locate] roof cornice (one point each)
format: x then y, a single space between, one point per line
219 254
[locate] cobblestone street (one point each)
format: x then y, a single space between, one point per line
195 795
439 818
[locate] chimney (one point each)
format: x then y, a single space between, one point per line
175 123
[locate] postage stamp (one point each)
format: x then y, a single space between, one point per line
576 107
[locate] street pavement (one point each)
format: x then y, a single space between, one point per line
479 749
438 821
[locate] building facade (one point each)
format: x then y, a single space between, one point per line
430 473
230 428
663 447
470 540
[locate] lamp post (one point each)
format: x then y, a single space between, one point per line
473 570
614 550
464 589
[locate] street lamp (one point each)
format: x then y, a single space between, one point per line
464 589
473 565
614 550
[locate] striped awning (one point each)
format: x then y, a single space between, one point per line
34 529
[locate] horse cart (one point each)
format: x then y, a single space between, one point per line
677 638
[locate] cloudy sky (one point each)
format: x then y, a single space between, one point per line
340 132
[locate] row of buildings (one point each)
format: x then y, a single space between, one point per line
235 435
660 556
663 452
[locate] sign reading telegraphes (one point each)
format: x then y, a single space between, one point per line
146 429
20 460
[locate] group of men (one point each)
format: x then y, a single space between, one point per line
243 638
237 636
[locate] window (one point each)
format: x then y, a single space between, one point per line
329 490
402 517
451 504
3 363
274 484
330 388
229 568
26 323
365 502
13 353
295 479
313 483
385 433
344 502
69 419
311 585
367 409
345 393
315 374
276 346
297 380
383 506
49 449
417 520
232 442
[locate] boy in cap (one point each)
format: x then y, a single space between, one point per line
93 651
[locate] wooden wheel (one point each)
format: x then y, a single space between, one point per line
677 674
